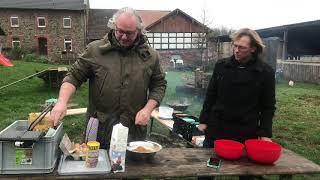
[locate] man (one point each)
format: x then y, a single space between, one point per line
126 81
240 99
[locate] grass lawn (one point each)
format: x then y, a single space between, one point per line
295 123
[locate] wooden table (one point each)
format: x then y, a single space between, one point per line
191 162
286 153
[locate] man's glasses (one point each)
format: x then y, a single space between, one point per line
121 32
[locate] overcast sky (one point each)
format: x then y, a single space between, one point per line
234 14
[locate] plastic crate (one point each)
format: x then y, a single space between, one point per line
186 129
45 153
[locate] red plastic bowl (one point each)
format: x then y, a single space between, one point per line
262 152
228 149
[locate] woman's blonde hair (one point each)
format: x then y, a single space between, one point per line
256 40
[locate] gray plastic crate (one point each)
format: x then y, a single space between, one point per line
45 153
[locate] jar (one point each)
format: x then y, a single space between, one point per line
93 154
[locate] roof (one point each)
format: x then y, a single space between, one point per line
151 16
312 27
98 19
278 30
176 11
44 4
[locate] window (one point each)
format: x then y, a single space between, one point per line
179 34
172 35
67 22
187 34
14 21
172 40
164 46
156 40
187 40
67 44
156 46
164 40
15 42
187 46
172 46
156 34
41 22
177 40
164 34
179 46
150 40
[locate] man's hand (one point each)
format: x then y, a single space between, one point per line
143 116
202 127
58 112
266 139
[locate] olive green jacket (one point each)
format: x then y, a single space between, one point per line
120 80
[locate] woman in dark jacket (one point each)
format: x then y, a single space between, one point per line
240 99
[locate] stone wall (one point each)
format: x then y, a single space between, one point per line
28 31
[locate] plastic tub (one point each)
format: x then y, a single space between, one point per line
42 156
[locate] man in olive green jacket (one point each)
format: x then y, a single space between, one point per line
126 81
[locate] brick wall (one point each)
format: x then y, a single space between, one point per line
28 31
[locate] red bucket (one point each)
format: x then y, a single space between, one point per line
262 152
228 149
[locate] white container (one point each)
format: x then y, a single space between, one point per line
118 147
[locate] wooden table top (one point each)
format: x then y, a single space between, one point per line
191 162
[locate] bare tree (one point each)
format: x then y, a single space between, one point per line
201 40
216 45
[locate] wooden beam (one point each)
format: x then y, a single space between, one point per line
76 111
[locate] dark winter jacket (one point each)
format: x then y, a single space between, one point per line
120 83
240 100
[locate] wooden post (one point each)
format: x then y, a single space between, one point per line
285 45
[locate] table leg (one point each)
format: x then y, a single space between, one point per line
285 176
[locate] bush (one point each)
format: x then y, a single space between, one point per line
43 59
35 58
18 53
15 53
30 58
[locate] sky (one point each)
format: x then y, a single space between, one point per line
235 14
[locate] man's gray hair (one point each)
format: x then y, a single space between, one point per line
131 11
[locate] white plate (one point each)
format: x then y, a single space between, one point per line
153 146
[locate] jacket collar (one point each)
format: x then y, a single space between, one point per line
112 44
253 64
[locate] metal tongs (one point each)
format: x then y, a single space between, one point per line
41 116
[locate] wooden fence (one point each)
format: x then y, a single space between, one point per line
300 71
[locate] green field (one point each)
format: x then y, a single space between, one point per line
295 123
